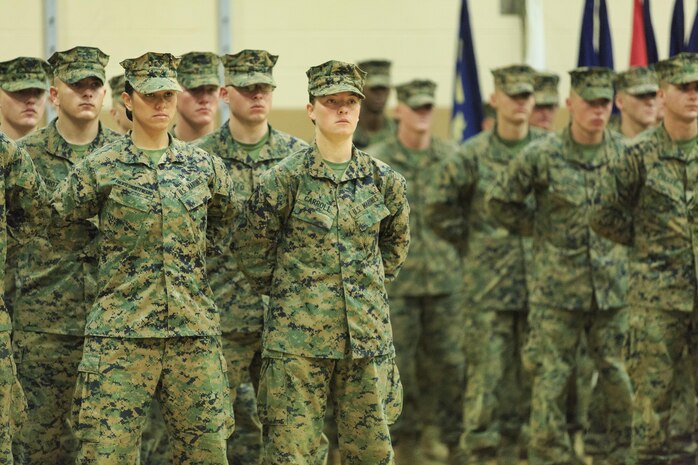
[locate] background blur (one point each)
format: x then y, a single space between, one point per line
419 37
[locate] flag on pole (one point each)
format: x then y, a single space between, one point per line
643 48
692 45
677 35
466 117
535 35
595 44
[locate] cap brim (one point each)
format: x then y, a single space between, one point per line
377 81
152 85
338 88
642 89
546 99
192 82
78 75
684 78
595 93
417 101
518 89
249 79
25 84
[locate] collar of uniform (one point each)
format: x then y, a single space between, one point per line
133 155
234 151
571 151
499 151
359 165
56 145
670 149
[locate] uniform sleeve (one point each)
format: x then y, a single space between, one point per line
615 197
26 195
259 226
394 236
509 200
225 205
77 196
447 211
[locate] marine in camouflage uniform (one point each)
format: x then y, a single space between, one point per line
425 306
23 195
374 126
578 277
248 146
547 98
636 98
495 262
118 110
154 324
648 203
56 272
324 229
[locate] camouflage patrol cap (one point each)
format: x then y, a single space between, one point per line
333 77
679 69
152 72
545 88
79 63
117 84
593 82
637 81
417 93
377 72
25 73
198 69
249 67
514 79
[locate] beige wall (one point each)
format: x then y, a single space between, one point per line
418 36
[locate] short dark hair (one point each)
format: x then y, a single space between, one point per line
128 88
311 98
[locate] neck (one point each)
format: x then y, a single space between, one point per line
247 133
414 140
630 128
512 132
187 132
680 130
334 150
149 140
371 121
77 132
13 132
583 137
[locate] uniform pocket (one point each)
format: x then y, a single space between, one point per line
272 402
83 413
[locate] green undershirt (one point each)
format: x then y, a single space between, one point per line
588 151
154 155
515 146
338 168
687 145
253 150
80 149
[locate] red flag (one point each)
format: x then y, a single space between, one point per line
638 46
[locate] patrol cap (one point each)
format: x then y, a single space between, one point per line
333 77
198 69
592 82
152 72
117 85
514 79
417 93
25 73
637 81
377 72
79 63
249 67
545 88
679 69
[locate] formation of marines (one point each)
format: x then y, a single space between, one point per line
177 293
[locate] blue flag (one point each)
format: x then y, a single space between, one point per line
692 45
677 34
650 42
466 117
595 50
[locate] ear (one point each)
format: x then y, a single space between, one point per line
619 101
568 102
128 103
53 95
493 99
225 95
310 108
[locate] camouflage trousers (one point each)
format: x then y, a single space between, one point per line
47 368
13 405
498 392
293 392
117 380
553 344
663 362
242 352
428 337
